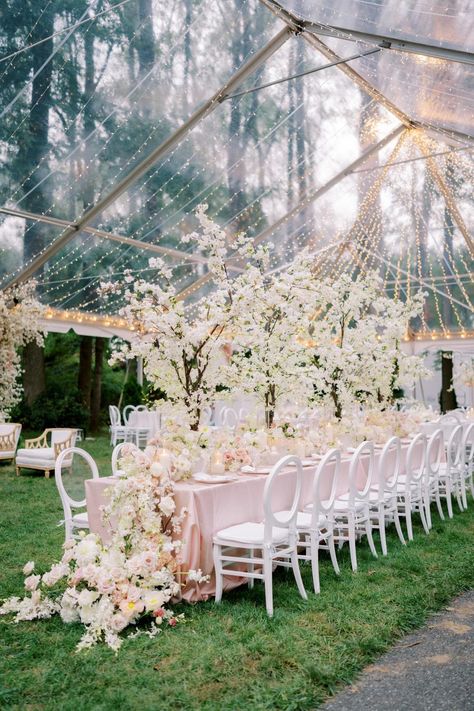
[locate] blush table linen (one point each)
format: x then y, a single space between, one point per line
212 507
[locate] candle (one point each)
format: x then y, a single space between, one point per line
217 463
165 459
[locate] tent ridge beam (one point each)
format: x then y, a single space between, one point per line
141 168
391 42
317 43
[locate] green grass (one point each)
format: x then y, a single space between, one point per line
227 657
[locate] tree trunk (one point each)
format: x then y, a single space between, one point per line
34 378
33 156
97 384
447 397
85 371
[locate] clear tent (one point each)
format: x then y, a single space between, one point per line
367 162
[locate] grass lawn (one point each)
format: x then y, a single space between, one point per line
227 657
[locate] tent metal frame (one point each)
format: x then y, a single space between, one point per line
311 32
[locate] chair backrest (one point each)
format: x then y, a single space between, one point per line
11 431
117 453
454 448
468 447
415 467
363 458
114 414
327 476
289 521
141 408
126 413
230 418
62 435
388 466
68 502
434 453
244 412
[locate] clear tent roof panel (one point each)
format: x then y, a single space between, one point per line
448 23
258 157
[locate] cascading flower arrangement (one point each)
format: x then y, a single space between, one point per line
110 586
20 312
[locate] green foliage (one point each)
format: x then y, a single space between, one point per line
230 656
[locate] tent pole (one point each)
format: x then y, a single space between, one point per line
235 80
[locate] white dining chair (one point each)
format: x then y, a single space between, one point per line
352 518
229 418
411 486
73 522
315 524
383 493
450 471
434 459
117 453
467 477
117 430
275 538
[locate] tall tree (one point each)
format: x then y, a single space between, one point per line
97 384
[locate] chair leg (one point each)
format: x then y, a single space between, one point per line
315 561
17 471
438 503
218 571
398 528
464 492
449 501
383 536
352 543
332 553
423 517
47 473
368 531
459 499
408 518
268 580
297 573
251 568
427 505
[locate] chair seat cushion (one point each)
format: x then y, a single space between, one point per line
7 453
341 504
43 456
250 532
81 519
303 519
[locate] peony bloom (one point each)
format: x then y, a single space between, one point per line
28 568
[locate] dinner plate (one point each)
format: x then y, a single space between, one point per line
256 470
305 463
204 478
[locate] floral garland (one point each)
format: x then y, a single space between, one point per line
108 587
19 315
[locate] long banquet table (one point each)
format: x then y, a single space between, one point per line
212 507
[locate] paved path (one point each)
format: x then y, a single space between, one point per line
429 670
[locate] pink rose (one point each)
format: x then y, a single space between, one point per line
158 613
172 622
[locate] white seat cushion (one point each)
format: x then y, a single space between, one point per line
43 456
303 519
81 520
250 532
341 504
7 453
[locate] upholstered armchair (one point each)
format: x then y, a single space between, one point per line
9 436
42 452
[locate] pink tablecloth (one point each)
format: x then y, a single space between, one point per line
212 507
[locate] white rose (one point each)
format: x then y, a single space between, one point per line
167 505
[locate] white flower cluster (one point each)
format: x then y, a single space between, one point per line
109 587
19 315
